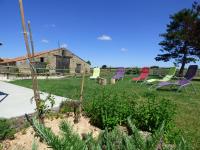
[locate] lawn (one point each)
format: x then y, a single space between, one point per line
187 104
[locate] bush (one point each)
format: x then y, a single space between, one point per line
107 107
64 108
151 112
154 67
133 71
113 140
136 70
129 71
6 130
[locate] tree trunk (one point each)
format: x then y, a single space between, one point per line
182 66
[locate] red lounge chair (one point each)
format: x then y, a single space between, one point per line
144 73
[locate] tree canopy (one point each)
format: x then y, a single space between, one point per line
88 62
182 38
104 66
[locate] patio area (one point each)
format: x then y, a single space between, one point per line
17 100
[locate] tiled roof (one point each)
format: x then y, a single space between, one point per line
26 57
36 55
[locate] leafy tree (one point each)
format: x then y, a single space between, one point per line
104 67
182 38
88 62
196 28
1 44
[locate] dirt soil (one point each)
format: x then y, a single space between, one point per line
24 139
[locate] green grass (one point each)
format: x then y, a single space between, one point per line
188 104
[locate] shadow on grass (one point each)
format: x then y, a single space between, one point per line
171 90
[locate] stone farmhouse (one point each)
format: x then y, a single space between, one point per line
59 60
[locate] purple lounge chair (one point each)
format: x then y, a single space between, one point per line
119 73
184 81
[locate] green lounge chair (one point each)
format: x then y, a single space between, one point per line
96 73
168 77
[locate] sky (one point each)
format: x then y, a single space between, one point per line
112 32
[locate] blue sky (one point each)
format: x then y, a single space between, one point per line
111 32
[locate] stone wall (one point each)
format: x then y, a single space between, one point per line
56 61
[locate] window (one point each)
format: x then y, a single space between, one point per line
63 52
41 59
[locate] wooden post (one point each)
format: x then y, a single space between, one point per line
33 75
104 81
31 39
78 112
82 84
33 58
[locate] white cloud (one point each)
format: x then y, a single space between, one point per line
123 49
45 41
104 38
64 45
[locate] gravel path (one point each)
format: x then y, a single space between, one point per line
18 101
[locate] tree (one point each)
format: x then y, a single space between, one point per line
88 62
104 67
196 28
182 38
1 44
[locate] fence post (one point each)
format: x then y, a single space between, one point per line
33 74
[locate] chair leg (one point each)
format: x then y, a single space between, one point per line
152 86
143 82
194 88
179 89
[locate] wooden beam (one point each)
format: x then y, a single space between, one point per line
33 75
31 39
82 84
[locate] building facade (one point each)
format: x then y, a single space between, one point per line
58 60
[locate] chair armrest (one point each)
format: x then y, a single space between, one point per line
178 77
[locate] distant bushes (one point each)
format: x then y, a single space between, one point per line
154 67
133 71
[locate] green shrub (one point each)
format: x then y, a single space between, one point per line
133 71
6 130
107 107
152 111
136 70
64 108
44 107
113 140
129 71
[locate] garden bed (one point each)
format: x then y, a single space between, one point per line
24 139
